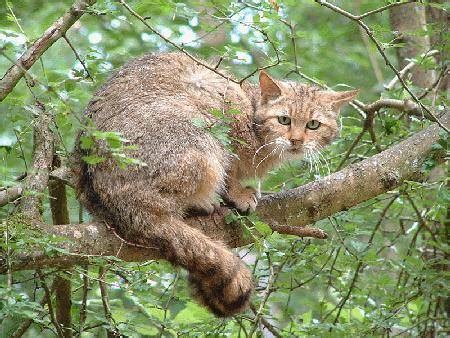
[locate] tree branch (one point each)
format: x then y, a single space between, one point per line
37 181
294 208
34 52
383 54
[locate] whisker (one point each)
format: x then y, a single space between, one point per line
326 162
260 148
269 154
316 167
315 159
316 149
308 157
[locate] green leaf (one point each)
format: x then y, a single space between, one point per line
199 122
263 228
93 159
176 306
86 142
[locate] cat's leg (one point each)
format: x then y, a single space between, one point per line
220 280
194 180
148 210
243 198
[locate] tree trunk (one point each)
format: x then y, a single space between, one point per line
440 22
409 24
62 285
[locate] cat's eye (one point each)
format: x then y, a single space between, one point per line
284 120
313 124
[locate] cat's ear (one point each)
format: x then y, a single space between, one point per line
269 88
338 99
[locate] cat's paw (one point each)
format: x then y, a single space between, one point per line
203 210
244 200
224 296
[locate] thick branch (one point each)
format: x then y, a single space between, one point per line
34 52
407 106
63 174
10 194
37 181
354 184
296 207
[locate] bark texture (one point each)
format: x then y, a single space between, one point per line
440 22
409 24
36 182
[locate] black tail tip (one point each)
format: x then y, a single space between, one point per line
224 297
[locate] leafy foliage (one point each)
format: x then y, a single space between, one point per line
381 272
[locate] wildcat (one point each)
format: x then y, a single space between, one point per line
153 101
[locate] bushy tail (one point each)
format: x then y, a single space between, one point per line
219 279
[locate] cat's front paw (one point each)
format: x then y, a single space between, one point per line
244 200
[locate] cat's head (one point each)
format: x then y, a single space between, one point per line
296 118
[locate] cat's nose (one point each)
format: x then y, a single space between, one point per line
297 137
296 141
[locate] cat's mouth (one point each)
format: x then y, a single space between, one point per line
296 149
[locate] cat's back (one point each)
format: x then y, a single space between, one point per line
161 87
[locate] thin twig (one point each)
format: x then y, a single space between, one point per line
381 9
173 44
353 145
21 150
112 330
371 129
373 61
48 298
369 32
266 323
359 266
20 331
35 51
88 74
83 305
408 67
422 221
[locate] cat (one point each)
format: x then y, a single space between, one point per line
154 101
